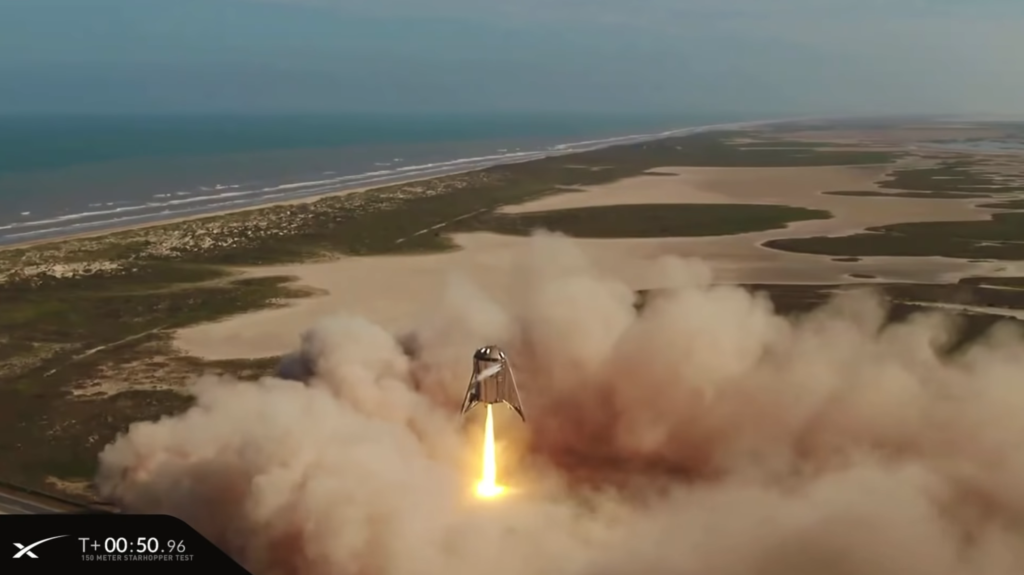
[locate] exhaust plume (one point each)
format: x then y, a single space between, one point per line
703 435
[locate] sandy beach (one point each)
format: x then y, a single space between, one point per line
153 224
396 291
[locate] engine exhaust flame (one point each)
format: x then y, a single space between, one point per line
488 486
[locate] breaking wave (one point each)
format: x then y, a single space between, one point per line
222 197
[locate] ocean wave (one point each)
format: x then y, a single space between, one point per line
189 202
301 188
155 212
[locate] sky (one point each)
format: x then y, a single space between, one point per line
793 57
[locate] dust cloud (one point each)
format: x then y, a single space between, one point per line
705 435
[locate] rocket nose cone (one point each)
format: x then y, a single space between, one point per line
490 353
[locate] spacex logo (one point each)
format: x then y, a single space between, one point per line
26 550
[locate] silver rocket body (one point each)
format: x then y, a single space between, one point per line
492 381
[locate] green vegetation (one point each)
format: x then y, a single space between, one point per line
999 238
912 195
947 177
648 220
782 144
92 311
1006 205
836 124
81 358
1001 282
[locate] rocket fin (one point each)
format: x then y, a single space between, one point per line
512 395
472 394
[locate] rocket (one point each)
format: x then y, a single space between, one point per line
492 381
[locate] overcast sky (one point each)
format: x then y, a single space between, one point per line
752 56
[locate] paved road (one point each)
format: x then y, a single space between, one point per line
12 504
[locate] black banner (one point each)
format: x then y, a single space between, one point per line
107 543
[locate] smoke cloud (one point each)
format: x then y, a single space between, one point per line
703 435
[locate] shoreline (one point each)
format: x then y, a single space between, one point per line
635 139
220 213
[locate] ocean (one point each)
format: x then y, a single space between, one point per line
63 175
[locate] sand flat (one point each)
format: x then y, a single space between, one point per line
787 186
396 290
